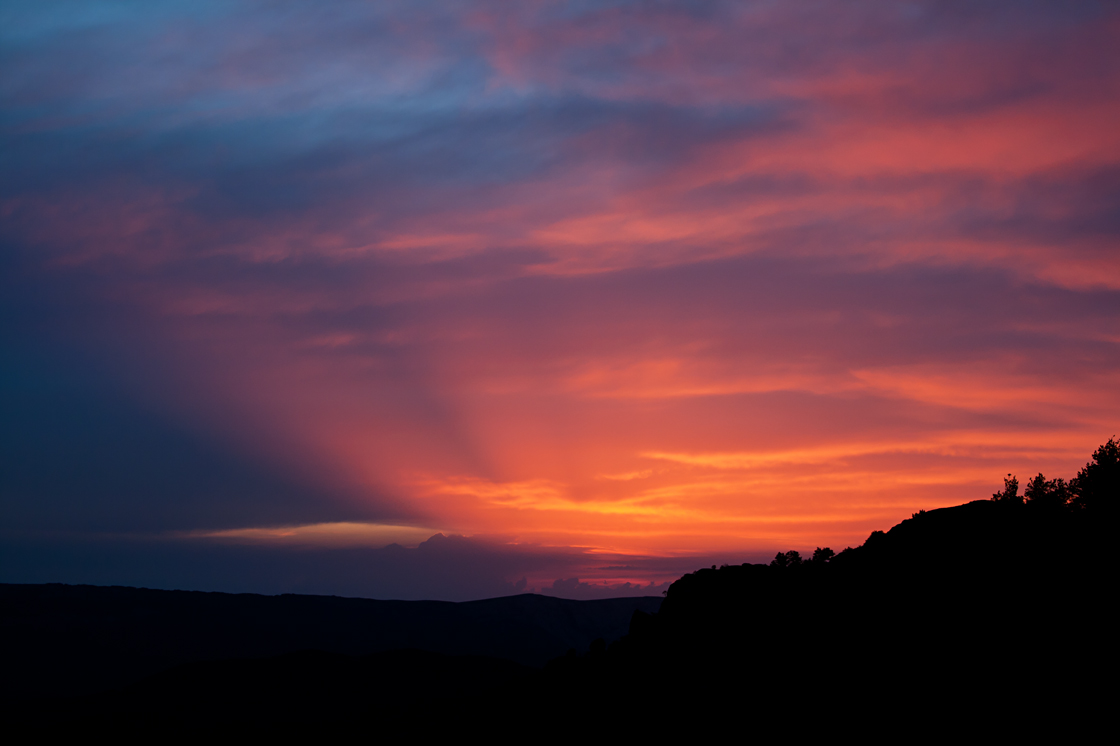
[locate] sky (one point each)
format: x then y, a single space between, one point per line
460 299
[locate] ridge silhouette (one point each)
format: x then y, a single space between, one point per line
107 637
991 618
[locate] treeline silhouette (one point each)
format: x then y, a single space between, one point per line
1094 489
989 619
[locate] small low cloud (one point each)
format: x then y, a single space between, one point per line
573 588
336 534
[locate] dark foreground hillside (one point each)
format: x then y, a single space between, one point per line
998 611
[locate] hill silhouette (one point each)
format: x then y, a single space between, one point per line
998 606
995 615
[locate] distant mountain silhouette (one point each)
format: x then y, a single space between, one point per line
59 640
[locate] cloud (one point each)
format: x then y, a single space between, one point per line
573 588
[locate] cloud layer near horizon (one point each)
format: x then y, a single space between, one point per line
653 279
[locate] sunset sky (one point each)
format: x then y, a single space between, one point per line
595 290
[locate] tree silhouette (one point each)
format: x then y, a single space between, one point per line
1047 493
792 558
1096 487
1010 493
